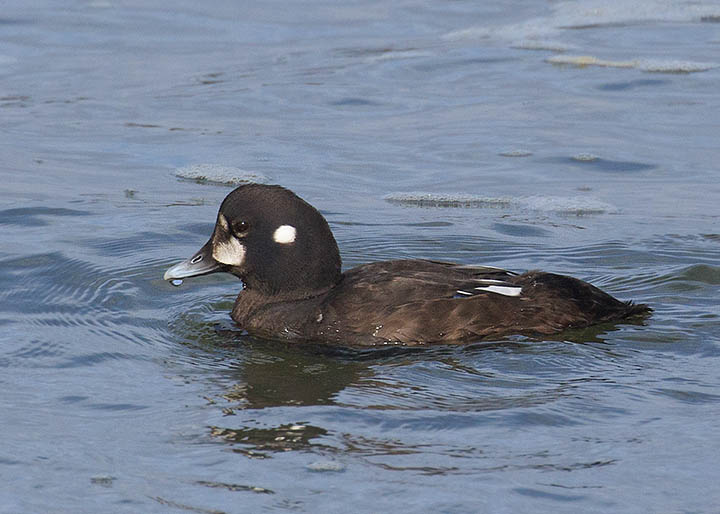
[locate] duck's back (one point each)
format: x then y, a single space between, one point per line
418 301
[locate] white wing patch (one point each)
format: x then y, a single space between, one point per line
490 285
284 234
503 290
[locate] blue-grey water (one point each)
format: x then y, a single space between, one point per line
577 137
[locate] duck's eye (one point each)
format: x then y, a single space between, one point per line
240 227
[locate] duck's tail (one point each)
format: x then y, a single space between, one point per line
633 309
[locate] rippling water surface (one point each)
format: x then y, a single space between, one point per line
577 137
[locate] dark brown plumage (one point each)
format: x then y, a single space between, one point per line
284 252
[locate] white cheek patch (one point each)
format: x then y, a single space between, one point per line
504 290
284 234
230 252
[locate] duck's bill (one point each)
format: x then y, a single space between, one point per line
201 263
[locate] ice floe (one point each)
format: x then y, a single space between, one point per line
219 174
557 204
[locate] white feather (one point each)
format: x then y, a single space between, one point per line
222 220
230 252
503 290
284 234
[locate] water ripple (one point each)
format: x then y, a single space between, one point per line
62 298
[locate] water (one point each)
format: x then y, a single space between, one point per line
576 137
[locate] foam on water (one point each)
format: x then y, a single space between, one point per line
516 152
447 199
542 44
398 54
670 66
219 174
326 465
556 204
549 32
582 61
585 157
593 13
650 65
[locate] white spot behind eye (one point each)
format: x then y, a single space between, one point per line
230 252
284 234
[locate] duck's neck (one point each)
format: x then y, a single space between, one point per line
251 302
273 293
305 270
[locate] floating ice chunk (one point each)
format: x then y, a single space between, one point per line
218 174
566 205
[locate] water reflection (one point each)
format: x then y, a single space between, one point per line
521 381
274 374
259 443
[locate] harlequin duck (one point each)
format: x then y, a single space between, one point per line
284 252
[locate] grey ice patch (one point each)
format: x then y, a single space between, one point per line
557 204
422 199
221 175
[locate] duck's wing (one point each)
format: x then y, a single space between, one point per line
482 280
407 281
414 302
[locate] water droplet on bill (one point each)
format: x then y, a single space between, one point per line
176 282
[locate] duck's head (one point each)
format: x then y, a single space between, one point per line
274 241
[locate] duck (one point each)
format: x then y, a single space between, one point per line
294 288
